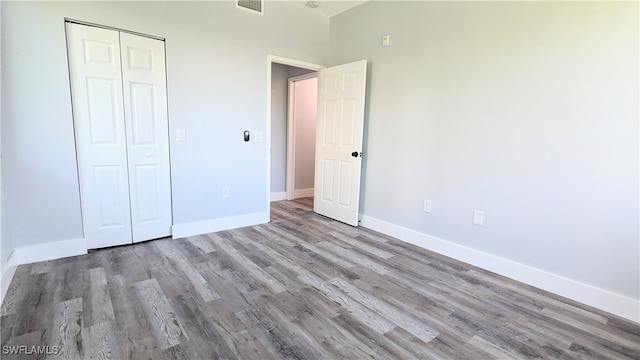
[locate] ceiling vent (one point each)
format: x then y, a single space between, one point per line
255 6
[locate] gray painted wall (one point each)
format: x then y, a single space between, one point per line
217 72
279 100
527 111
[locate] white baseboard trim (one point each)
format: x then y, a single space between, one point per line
302 193
278 196
49 251
213 225
602 299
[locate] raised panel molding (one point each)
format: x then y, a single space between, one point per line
140 59
97 51
102 115
147 193
143 114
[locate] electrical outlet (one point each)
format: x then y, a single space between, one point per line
478 217
226 192
426 206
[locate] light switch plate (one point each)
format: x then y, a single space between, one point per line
181 135
386 40
258 136
426 206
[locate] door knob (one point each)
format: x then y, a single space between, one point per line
354 154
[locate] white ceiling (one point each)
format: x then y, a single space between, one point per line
327 8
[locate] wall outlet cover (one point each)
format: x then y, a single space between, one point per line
478 217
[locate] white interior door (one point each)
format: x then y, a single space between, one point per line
145 105
96 85
341 92
119 103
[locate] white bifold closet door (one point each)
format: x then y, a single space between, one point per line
119 100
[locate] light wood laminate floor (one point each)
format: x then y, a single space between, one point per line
300 287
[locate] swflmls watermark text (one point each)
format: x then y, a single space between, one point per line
30 350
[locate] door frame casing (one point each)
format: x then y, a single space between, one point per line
284 61
291 131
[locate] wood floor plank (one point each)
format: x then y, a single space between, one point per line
42 267
205 336
356 243
306 318
222 263
301 287
165 325
445 344
297 256
203 243
32 313
362 313
248 250
494 351
269 282
224 317
7 322
97 277
401 319
371 342
231 290
199 283
277 338
329 255
100 342
299 336
67 324
355 257
17 290
133 328
417 348
404 298
33 345
97 305
131 263
247 346
280 259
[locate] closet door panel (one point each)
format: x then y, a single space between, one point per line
99 121
145 106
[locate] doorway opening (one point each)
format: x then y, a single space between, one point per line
291 173
301 135
340 94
